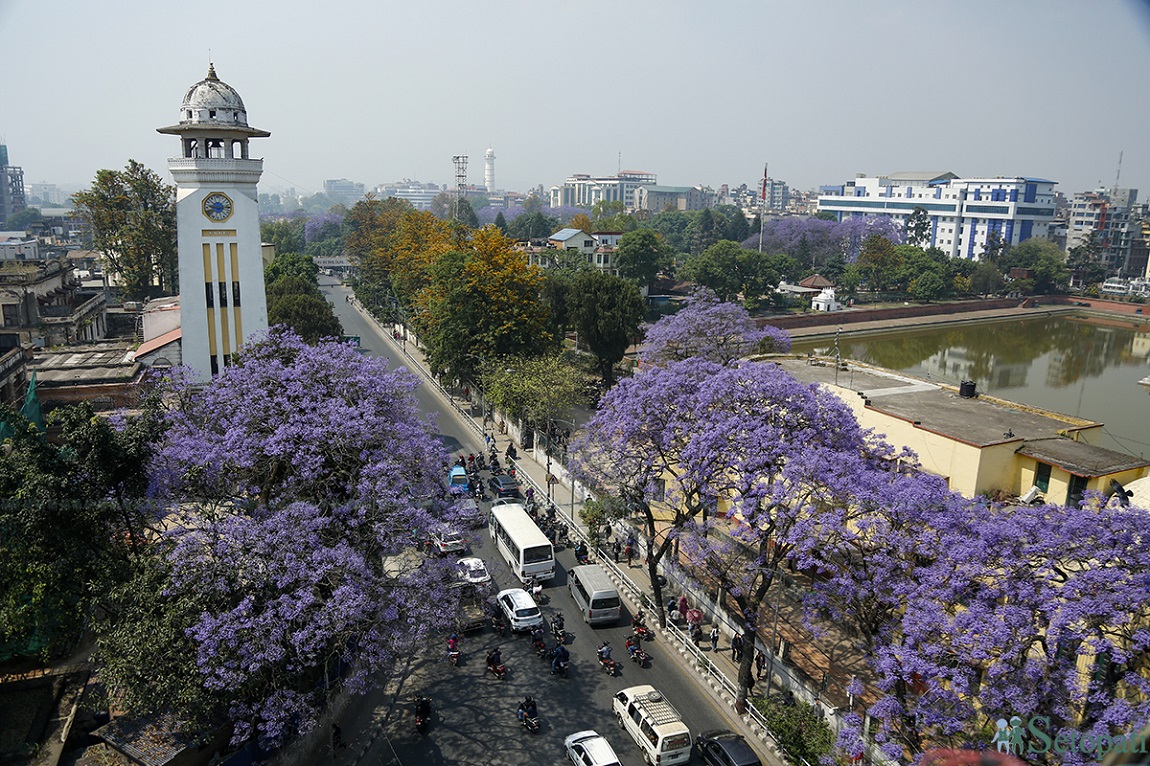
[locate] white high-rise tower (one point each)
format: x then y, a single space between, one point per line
489 169
222 298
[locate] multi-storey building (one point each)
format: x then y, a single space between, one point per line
418 194
1112 217
963 212
343 191
583 190
12 199
660 198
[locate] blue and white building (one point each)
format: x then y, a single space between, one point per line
963 212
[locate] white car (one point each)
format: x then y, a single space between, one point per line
520 609
473 570
587 748
448 541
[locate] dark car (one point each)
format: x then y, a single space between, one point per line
725 748
504 486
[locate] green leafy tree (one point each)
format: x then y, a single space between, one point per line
994 248
918 227
1045 259
442 205
22 220
736 227
292 264
672 225
986 279
132 216
501 222
73 516
465 213
284 234
607 312
310 317
641 256
533 225
705 231
728 269
878 262
800 729
534 389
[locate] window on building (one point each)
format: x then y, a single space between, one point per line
1042 477
1077 487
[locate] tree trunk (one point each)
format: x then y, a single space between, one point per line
746 680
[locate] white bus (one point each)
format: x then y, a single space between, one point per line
520 543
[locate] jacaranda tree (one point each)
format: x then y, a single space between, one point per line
294 482
707 329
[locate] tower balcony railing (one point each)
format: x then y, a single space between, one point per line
225 164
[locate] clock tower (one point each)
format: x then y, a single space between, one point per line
222 299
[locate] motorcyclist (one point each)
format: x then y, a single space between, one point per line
537 635
637 621
423 707
495 658
453 643
632 644
527 709
560 655
604 651
557 623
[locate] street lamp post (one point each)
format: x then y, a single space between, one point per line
574 428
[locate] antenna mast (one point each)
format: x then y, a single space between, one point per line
763 207
460 161
1118 175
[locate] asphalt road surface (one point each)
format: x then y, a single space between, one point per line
473 719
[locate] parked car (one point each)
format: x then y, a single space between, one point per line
520 609
473 570
470 514
447 540
587 748
504 486
720 747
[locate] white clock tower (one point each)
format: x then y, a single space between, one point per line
222 299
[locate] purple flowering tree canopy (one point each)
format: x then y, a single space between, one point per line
709 329
302 474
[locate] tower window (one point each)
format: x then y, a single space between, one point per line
211 114
235 293
189 113
209 297
223 294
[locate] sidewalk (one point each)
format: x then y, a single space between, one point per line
817 668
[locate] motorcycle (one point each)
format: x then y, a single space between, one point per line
643 633
422 714
498 624
557 629
499 671
638 656
605 662
561 667
535 588
455 656
541 650
531 723
481 462
583 553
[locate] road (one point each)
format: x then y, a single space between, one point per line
474 713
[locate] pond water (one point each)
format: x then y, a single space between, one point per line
1083 366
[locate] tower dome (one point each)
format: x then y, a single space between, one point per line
212 101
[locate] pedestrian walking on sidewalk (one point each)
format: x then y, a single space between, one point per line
616 548
737 647
630 551
714 638
696 633
760 664
683 608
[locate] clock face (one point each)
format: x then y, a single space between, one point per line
217 206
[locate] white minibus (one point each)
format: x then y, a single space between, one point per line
594 594
526 550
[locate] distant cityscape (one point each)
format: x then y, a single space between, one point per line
964 213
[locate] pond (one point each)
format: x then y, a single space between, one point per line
1088 367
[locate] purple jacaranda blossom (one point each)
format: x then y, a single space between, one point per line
709 329
302 475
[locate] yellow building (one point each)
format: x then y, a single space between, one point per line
980 445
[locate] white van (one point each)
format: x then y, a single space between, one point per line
654 724
594 594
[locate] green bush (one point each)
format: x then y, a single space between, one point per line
799 727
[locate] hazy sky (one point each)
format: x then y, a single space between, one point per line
697 92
